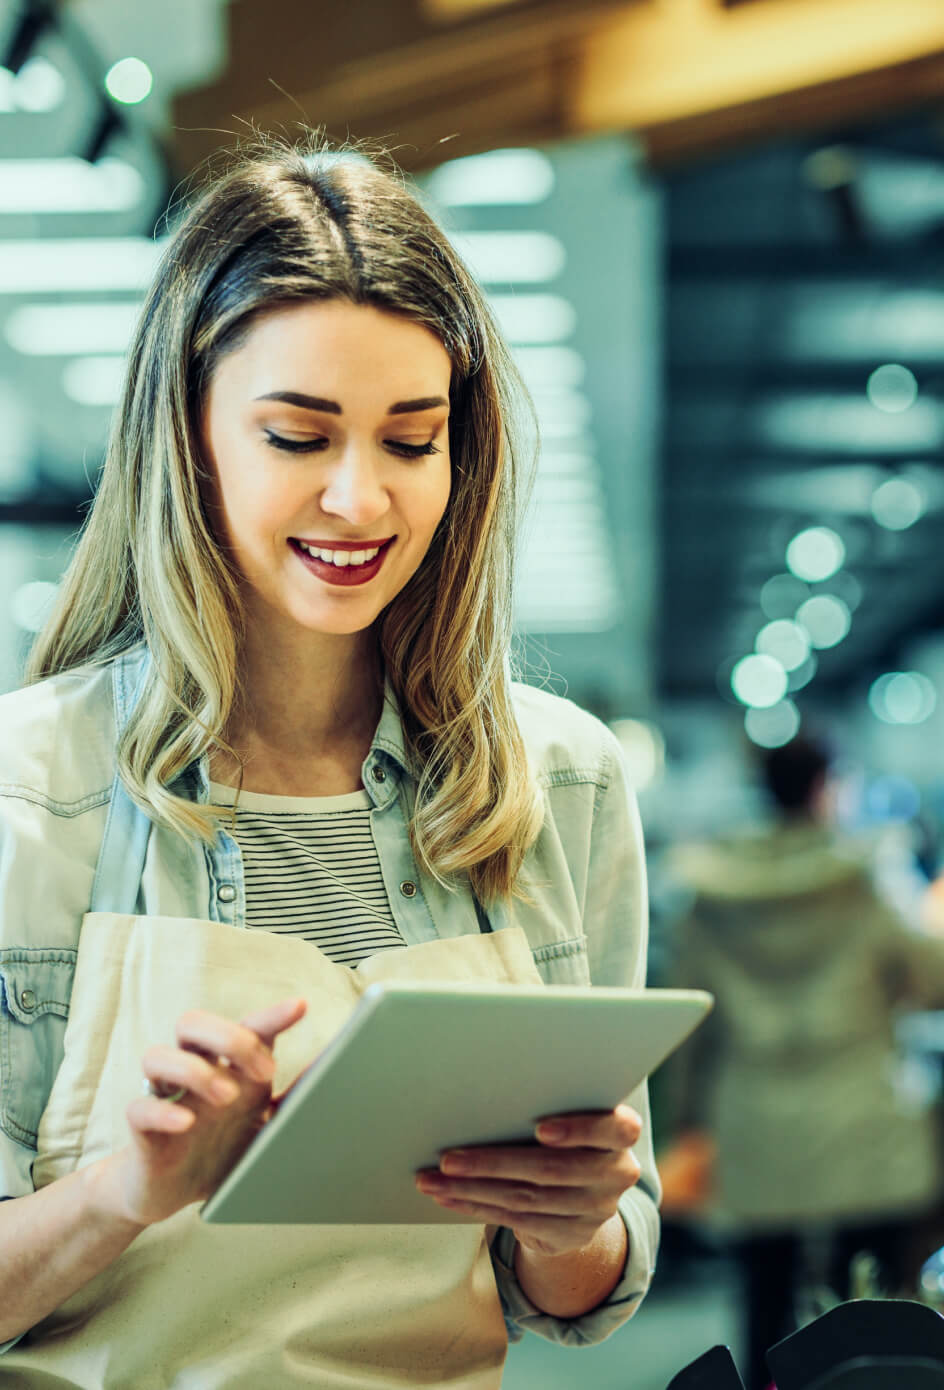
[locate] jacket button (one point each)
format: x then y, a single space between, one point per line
378 773
27 1000
408 888
226 893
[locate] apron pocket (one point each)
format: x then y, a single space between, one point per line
563 962
35 989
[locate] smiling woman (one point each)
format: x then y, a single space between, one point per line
271 735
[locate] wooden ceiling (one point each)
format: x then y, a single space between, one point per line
435 79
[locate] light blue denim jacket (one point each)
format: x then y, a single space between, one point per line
71 841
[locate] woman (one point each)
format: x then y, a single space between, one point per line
275 696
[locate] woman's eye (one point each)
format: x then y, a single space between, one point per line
411 451
294 446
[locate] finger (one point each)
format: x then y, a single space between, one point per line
149 1115
556 1233
524 1199
608 1129
532 1163
268 1023
200 1033
172 1067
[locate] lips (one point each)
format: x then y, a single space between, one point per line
341 576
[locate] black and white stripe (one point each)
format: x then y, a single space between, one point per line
312 871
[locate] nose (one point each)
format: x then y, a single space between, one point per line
355 490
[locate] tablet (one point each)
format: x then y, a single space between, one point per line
419 1068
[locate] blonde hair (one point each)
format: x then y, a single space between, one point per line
286 223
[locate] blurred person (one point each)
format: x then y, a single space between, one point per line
286 628
794 1101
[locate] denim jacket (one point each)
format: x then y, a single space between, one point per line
584 877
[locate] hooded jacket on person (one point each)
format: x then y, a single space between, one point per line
797 1073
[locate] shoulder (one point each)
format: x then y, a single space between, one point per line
57 740
563 742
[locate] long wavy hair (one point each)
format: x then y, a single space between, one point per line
283 223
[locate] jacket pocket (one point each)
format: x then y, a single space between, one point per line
35 989
563 962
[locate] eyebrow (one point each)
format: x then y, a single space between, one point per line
332 408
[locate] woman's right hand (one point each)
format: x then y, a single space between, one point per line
181 1151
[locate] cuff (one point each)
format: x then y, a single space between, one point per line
641 1220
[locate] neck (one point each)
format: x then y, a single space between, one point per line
302 704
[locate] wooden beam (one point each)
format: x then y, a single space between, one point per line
686 76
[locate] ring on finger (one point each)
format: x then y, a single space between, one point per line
150 1089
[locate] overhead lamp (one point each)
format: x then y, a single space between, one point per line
550 368
34 20
68 185
534 318
77 264
501 177
94 380
499 258
815 553
41 330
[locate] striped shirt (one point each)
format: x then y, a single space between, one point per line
311 870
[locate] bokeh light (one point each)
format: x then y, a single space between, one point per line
897 504
815 554
786 641
774 726
759 680
892 388
902 697
825 618
129 81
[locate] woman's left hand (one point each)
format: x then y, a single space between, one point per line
554 1195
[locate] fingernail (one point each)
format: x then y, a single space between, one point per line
552 1130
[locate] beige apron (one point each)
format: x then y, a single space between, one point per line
192 1306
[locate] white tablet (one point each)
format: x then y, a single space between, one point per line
419 1068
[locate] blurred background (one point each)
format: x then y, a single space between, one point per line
713 231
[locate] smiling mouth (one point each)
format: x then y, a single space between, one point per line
344 563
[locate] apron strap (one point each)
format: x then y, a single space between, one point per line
127 829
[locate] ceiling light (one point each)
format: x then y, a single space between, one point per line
40 330
68 185
902 697
759 680
815 554
94 380
786 641
825 618
501 177
75 264
534 318
37 87
498 258
550 368
897 504
774 726
892 388
129 81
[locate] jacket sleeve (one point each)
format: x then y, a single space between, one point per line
616 927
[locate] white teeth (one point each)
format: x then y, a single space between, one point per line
342 558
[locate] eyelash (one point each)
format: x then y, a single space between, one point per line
311 446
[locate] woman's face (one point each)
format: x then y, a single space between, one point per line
326 434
